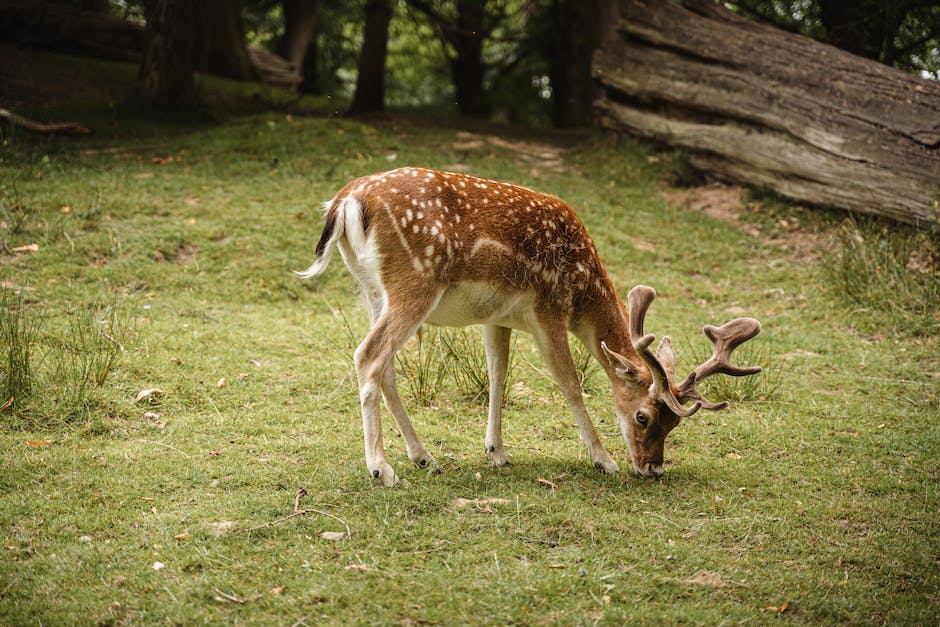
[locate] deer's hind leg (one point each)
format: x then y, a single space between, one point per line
416 451
397 321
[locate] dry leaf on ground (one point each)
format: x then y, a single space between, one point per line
152 395
779 609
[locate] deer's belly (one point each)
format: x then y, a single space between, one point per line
467 303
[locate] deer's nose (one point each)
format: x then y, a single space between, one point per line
655 469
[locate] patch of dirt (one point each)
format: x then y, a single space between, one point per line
542 159
727 203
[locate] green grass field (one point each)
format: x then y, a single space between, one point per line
158 255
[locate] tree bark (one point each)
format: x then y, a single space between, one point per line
300 20
98 6
577 34
61 27
467 67
220 44
166 69
370 84
756 105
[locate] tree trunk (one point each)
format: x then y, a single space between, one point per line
577 34
97 6
300 20
166 70
220 45
468 68
757 105
370 84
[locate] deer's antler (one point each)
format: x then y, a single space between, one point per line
725 338
638 301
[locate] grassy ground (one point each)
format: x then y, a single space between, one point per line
162 261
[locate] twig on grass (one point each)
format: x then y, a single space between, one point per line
172 448
224 596
300 512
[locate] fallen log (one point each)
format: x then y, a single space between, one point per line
756 105
63 27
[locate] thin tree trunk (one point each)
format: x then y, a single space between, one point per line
764 107
300 20
468 68
166 69
577 34
370 84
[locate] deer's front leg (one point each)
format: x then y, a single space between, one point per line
496 341
553 343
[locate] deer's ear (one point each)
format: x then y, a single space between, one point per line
624 369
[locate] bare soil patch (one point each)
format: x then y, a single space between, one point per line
729 203
540 158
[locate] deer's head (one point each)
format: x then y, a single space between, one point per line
650 404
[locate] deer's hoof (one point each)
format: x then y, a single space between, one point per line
385 473
607 466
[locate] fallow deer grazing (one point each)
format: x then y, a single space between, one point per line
455 250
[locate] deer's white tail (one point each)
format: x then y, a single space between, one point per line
333 230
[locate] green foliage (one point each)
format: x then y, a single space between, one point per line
905 34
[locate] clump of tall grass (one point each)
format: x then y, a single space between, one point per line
50 375
466 354
422 365
17 344
81 360
888 271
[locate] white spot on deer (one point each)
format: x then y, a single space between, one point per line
416 228
434 230
429 250
410 215
421 214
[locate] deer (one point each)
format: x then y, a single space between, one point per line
454 250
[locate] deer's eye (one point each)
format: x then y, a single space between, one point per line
642 419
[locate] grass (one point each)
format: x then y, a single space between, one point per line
813 499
